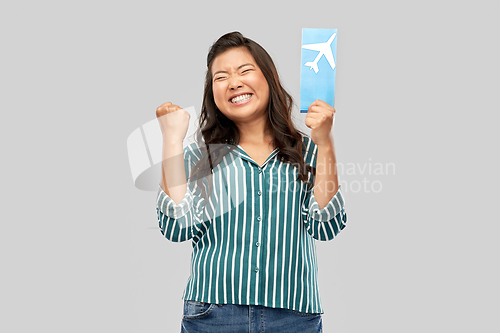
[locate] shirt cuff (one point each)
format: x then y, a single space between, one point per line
168 206
334 206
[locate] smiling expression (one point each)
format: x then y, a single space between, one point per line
240 89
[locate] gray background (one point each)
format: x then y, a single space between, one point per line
417 86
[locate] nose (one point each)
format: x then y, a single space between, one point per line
234 83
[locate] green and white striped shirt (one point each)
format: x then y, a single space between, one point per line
253 241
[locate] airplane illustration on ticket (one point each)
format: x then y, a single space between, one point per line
324 49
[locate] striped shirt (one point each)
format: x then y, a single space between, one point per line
253 238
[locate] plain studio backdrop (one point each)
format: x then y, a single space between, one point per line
416 132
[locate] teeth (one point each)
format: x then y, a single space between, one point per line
241 98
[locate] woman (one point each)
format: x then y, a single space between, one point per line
259 191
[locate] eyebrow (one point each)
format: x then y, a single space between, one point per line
236 68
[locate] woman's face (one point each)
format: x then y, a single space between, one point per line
240 90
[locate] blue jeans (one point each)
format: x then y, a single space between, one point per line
224 318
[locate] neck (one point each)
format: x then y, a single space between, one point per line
256 132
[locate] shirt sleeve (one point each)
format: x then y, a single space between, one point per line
324 224
183 221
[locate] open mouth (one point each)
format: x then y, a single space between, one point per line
240 99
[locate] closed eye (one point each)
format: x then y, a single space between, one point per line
219 78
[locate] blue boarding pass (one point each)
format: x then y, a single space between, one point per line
317 71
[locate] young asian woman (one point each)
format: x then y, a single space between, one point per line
258 192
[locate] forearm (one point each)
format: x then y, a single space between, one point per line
173 172
326 181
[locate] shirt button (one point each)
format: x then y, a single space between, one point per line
257 244
256 269
260 170
258 218
259 193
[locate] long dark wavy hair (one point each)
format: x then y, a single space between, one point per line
220 133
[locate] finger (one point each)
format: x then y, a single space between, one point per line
312 123
165 105
314 116
321 110
316 109
320 102
173 108
309 122
162 109
313 108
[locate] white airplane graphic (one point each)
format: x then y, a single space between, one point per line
324 49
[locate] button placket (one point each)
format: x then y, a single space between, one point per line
258 219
